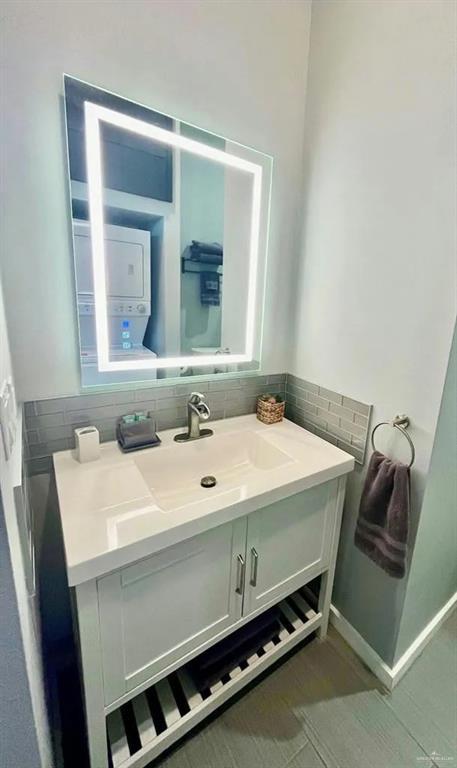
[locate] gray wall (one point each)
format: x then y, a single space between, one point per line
18 741
433 576
24 736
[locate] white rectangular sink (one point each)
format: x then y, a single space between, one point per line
123 507
173 474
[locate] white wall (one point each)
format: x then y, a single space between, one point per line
376 290
234 68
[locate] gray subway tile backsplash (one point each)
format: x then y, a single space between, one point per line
215 399
46 420
339 419
302 383
330 418
341 434
39 466
277 378
170 418
334 397
257 381
187 389
170 402
326 435
104 412
55 433
349 448
162 393
217 386
361 420
38 450
340 410
31 436
353 427
320 402
29 408
356 405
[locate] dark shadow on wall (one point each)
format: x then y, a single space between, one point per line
65 702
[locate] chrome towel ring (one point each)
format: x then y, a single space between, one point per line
401 423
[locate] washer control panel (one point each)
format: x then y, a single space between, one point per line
117 308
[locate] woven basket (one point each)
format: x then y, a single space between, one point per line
270 413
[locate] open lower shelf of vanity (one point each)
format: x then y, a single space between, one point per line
149 723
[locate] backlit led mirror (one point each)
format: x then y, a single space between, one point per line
170 227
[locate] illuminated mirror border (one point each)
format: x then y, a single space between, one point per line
94 115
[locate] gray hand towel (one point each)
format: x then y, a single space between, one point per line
383 522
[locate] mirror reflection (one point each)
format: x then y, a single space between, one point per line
182 227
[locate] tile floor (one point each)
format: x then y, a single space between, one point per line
322 708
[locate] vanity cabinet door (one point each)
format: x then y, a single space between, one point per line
156 611
288 543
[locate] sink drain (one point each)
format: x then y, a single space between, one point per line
209 481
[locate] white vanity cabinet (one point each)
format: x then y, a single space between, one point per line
159 609
288 543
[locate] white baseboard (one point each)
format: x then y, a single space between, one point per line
361 648
423 638
389 676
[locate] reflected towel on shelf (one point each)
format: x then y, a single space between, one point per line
210 293
209 253
383 522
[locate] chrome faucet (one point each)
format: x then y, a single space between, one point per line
197 410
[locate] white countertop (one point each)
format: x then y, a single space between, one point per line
123 507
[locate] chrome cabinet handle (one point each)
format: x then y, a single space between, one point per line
254 566
240 574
